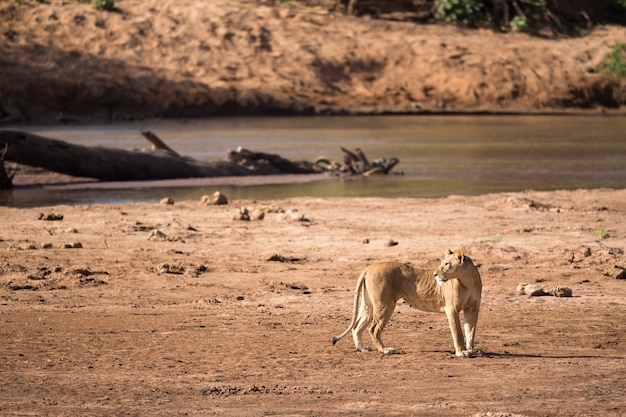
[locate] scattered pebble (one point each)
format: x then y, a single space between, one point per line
391 242
215 199
188 270
559 291
280 258
242 214
293 215
165 268
50 217
617 272
257 214
534 290
27 246
157 236
296 286
167 201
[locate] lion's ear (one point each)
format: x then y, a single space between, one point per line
459 256
448 252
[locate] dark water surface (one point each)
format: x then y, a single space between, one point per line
439 155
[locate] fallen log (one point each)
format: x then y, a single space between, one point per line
6 180
162 162
109 164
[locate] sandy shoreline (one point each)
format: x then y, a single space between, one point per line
153 309
55 181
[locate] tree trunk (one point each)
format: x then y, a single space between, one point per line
108 164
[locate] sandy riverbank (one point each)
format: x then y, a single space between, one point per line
197 320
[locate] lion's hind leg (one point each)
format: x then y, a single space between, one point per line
364 318
381 315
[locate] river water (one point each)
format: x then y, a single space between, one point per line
439 155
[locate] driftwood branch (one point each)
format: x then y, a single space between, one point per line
157 144
356 163
162 162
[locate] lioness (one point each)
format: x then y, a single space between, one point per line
454 286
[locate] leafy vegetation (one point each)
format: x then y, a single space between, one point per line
466 11
614 62
495 238
519 24
605 234
103 4
533 16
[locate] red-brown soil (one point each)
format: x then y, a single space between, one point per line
67 60
199 321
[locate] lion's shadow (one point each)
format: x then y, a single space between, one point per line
508 355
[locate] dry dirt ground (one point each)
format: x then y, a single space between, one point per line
69 61
162 310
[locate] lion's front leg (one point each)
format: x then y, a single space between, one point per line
457 334
470 317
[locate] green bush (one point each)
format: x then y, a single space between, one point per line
519 24
103 4
614 62
466 11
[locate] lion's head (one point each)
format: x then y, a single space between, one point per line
451 266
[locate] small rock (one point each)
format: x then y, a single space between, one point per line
534 290
195 271
242 215
257 214
293 215
50 217
366 241
166 268
281 258
521 288
46 246
559 291
617 272
76 245
391 242
167 200
530 290
216 199
157 236
297 286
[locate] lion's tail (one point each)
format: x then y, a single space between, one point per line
357 296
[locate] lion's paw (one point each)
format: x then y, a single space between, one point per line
389 351
470 353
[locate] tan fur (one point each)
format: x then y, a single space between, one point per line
453 287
